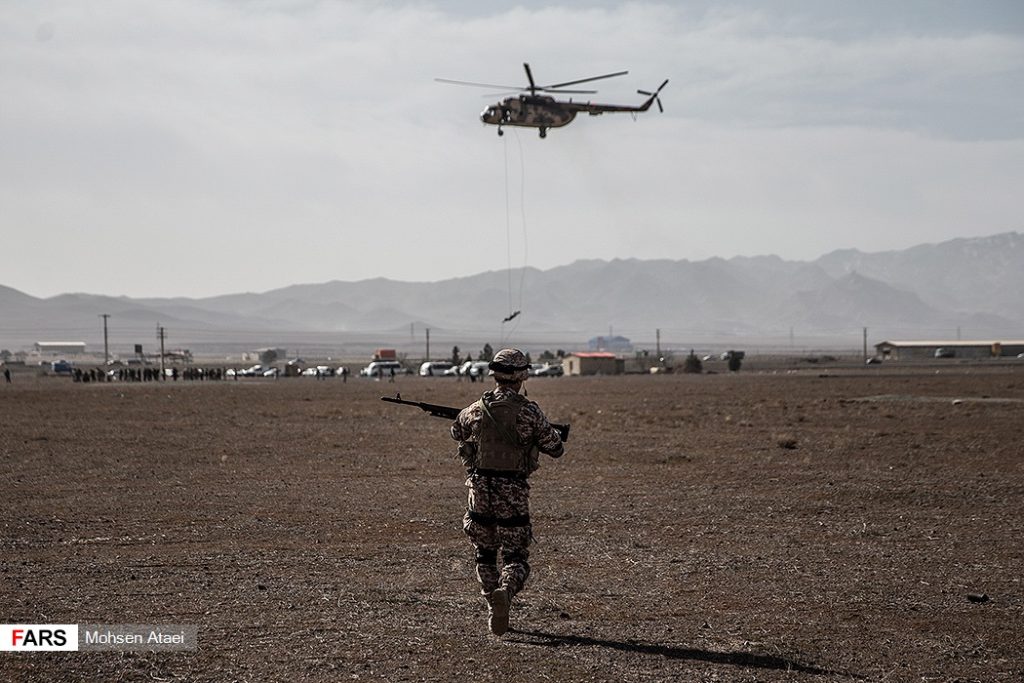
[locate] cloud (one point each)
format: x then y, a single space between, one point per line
207 147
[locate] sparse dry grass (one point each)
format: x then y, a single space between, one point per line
312 531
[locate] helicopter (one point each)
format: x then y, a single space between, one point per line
528 109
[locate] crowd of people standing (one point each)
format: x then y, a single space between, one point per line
147 374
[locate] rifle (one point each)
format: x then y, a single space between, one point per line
450 413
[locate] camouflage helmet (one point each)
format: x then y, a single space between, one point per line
509 365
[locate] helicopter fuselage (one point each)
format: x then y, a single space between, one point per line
530 111
543 111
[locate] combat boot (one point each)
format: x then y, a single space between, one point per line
497 611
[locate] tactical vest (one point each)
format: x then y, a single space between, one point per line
500 449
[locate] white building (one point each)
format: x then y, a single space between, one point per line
984 348
59 348
593 363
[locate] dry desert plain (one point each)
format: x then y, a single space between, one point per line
812 525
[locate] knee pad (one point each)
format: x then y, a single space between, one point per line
486 555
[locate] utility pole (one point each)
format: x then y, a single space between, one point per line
657 343
428 344
160 336
106 348
865 345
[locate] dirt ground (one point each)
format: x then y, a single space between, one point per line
820 525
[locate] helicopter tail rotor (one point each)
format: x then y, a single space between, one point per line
654 95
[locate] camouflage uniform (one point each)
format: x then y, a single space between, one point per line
498 516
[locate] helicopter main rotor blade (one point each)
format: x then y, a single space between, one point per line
509 93
571 92
479 85
529 76
585 80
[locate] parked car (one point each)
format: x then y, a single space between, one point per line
61 367
319 370
434 368
254 371
546 370
945 352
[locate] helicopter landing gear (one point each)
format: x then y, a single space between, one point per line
543 132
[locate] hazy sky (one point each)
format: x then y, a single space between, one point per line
187 147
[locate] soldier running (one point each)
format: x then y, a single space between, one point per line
500 438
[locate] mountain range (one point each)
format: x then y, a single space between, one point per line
971 285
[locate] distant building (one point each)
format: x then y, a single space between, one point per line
615 344
593 363
265 356
922 350
60 348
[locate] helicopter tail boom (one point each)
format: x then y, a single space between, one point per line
597 109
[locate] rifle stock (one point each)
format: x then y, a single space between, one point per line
451 413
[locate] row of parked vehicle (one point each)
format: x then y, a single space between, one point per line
271 371
381 368
478 368
443 368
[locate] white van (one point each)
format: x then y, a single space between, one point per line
382 368
435 368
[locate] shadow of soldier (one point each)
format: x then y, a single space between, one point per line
742 659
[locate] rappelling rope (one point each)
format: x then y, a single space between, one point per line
508 229
522 217
514 312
